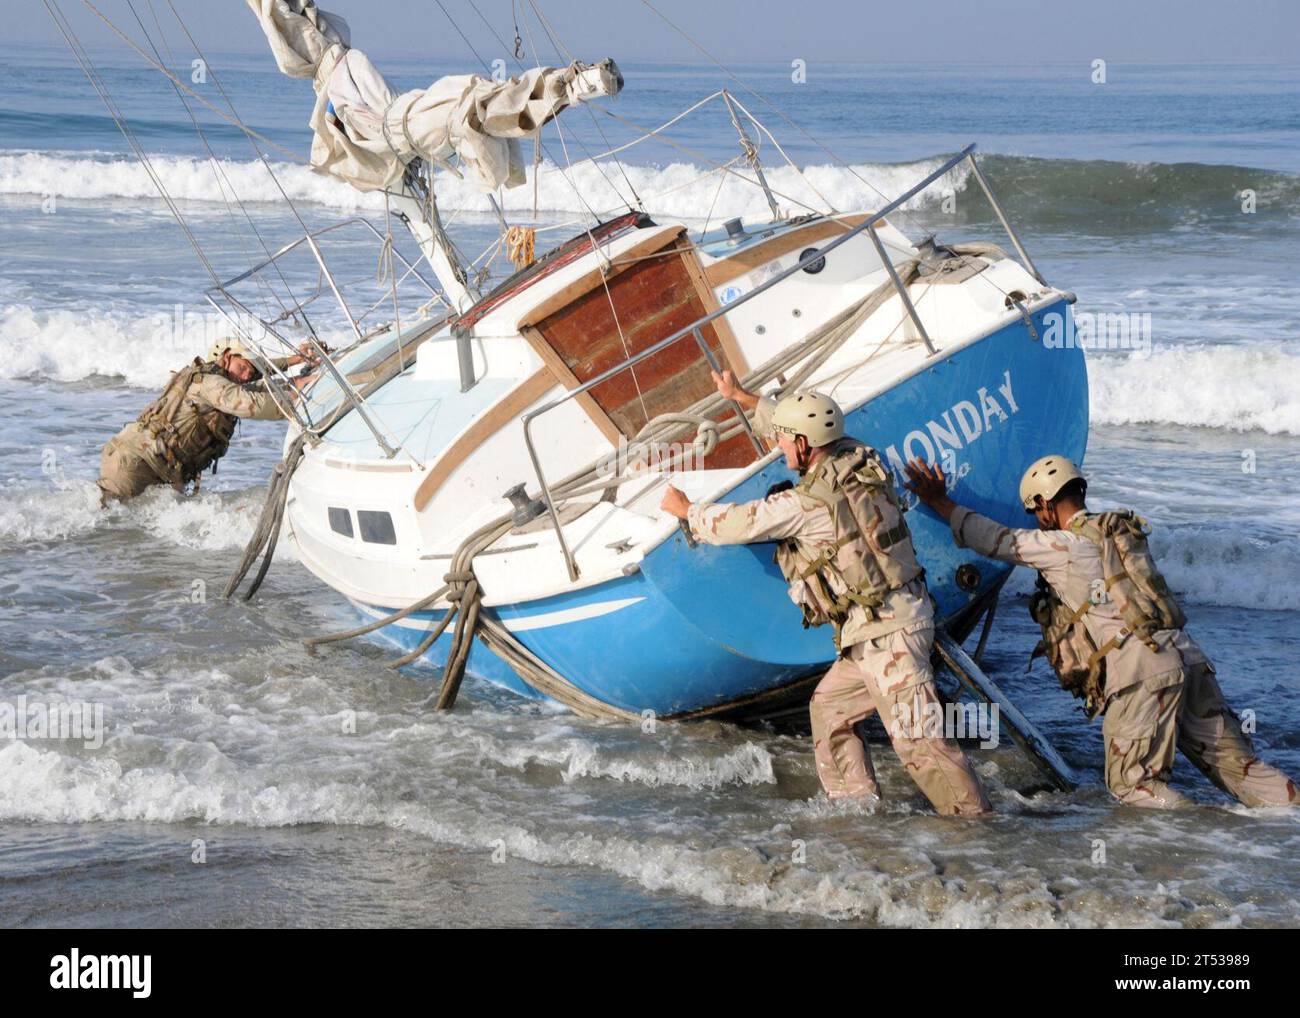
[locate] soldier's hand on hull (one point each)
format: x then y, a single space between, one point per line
928 484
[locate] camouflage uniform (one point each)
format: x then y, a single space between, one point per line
1154 700
884 664
133 460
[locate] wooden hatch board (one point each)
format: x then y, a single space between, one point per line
656 293
658 287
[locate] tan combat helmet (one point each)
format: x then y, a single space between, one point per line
1045 478
232 343
818 418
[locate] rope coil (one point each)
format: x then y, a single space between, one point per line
521 246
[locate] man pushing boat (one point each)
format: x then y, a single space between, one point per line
1113 633
189 426
847 554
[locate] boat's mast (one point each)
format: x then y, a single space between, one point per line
414 203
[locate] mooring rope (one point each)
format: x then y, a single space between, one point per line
267 531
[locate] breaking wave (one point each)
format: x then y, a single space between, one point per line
747 764
1126 195
69 346
194 749
211 521
674 189
1232 387
1131 196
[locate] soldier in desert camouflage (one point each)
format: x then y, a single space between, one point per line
1114 634
847 554
188 428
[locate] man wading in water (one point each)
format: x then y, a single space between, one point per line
847 554
189 426
1114 635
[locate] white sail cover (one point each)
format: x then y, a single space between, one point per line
366 134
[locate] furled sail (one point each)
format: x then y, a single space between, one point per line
365 133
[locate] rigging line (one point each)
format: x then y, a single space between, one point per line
479 56
453 250
223 182
658 194
665 140
650 133
224 185
293 157
568 162
491 249
551 33
92 75
712 205
97 82
300 311
387 251
559 131
235 119
221 187
790 162
609 297
247 131
605 282
758 95
555 41
487 67
238 121
537 169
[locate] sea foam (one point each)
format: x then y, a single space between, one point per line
681 189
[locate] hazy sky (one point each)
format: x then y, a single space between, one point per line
1007 32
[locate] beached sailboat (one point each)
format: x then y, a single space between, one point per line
599 352
492 462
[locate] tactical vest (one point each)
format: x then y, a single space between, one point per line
872 552
1130 579
1069 647
188 443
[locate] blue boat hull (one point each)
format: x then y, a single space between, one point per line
704 629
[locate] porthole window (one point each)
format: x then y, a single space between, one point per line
376 527
340 521
812 268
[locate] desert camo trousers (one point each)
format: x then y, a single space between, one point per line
1145 723
123 472
883 675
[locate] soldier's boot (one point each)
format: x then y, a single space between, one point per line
1140 730
839 703
1211 736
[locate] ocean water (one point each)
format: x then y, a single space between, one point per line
227 791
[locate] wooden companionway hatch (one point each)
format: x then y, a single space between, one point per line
649 291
